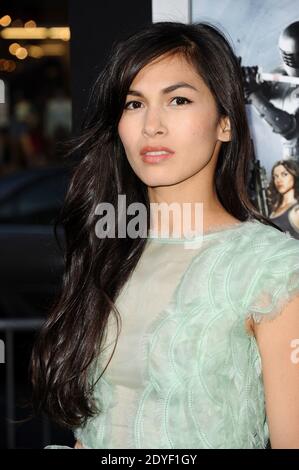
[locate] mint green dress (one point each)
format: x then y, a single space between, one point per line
186 373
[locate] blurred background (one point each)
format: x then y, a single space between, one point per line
35 120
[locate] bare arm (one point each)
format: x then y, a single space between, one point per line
278 342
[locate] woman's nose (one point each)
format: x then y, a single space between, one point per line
153 123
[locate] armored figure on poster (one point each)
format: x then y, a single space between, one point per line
275 96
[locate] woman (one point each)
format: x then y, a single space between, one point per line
189 365
284 189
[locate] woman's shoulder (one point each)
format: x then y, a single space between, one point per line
268 270
244 251
249 244
266 252
265 239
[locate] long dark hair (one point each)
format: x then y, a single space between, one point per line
292 167
97 268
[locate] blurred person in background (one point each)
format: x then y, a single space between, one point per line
4 150
27 141
57 121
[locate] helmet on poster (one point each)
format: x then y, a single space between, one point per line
289 48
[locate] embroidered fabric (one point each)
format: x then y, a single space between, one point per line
185 372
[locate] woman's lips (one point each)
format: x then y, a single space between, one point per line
156 158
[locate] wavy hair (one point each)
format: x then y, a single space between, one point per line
97 268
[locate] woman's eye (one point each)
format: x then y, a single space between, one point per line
130 102
181 98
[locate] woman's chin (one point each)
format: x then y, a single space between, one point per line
158 182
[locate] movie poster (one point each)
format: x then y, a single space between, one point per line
265 36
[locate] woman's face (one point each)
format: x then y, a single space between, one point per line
184 119
283 180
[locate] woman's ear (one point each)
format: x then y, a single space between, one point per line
224 129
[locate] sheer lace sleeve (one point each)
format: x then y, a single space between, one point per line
276 280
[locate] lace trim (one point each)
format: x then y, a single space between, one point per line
282 303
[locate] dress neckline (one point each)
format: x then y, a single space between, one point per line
221 229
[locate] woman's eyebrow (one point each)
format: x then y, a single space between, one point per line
166 90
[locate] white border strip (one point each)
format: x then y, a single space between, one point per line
172 10
2 92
